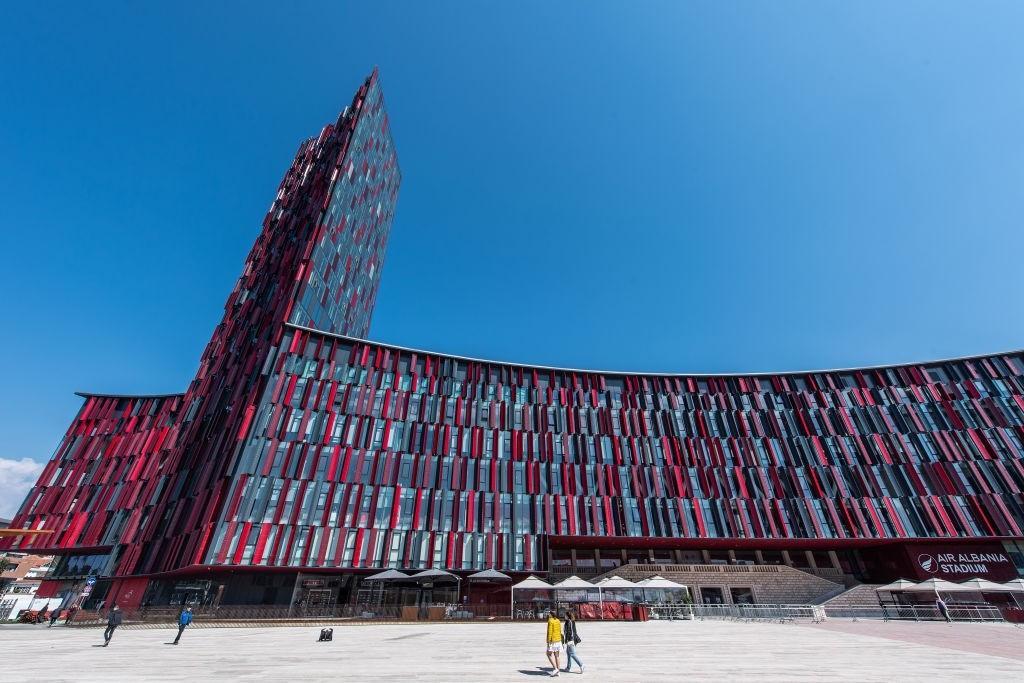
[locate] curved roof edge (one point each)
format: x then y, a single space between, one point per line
643 373
93 394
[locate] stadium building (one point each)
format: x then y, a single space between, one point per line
303 457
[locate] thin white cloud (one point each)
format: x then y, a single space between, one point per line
16 478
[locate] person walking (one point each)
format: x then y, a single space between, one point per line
114 620
54 616
571 638
554 641
184 619
940 604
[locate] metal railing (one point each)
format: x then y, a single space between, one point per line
780 613
232 615
854 612
932 613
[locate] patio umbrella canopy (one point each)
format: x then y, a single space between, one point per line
937 586
616 582
434 574
489 575
532 583
658 582
388 575
573 583
897 585
529 583
1014 586
984 586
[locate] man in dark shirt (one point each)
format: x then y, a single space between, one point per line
114 620
943 609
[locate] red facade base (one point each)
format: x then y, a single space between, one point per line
127 593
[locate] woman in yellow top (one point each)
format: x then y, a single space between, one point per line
554 641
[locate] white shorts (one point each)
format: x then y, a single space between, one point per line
554 647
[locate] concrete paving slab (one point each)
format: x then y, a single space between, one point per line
652 651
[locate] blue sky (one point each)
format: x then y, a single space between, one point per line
674 186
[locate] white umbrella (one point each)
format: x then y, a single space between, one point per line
533 583
489 575
1014 586
984 586
659 582
897 585
529 583
612 583
387 575
573 583
435 574
936 585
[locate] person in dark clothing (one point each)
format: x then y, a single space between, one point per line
571 638
114 620
54 616
184 619
943 609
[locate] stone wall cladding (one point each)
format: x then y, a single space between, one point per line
770 584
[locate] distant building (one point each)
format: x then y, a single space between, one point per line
20 579
303 457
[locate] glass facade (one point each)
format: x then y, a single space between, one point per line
344 271
362 455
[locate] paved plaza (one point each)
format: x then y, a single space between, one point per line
652 651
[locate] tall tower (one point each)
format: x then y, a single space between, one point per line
140 480
316 263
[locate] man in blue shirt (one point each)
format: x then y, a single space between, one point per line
184 619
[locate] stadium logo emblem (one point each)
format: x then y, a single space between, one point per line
927 563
